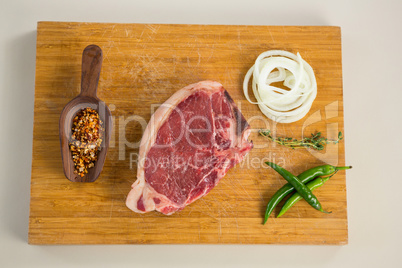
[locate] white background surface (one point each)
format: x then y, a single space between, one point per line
372 71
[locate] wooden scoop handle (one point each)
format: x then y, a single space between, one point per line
91 68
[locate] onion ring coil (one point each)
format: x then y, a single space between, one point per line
278 104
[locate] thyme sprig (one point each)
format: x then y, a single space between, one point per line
315 141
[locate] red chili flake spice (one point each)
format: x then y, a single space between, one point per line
86 139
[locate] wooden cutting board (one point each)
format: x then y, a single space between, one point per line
143 65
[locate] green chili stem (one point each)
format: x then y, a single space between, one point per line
343 168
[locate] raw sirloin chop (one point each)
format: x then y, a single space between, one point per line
190 143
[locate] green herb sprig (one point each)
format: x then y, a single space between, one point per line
315 141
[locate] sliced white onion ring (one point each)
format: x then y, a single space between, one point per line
278 104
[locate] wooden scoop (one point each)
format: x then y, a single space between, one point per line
91 67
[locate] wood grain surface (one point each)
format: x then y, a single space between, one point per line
143 65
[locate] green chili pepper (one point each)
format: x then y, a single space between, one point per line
312 185
299 186
304 177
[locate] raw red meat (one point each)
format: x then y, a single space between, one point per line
190 143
